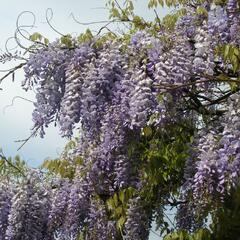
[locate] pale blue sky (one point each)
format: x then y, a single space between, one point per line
15 121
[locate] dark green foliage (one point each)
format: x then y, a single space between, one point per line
226 220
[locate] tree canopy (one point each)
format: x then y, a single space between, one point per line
153 117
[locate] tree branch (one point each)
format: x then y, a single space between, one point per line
27 139
12 71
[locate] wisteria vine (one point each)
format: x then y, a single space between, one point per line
117 95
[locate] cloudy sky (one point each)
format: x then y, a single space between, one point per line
15 113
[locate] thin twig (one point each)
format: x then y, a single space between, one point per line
123 12
210 79
48 19
105 26
16 97
19 27
6 45
96 22
220 99
158 19
204 98
27 139
19 43
169 219
12 71
155 233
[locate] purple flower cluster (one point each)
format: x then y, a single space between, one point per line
99 225
218 24
6 194
185 26
59 206
28 216
233 20
138 220
71 102
213 170
218 158
45 72
78 207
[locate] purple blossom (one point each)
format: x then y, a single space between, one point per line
137 225
29 211
6 194
59 204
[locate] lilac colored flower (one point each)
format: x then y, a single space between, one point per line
59 205
218 24
137 225
29 211
71 102
78 207
98 224
6 194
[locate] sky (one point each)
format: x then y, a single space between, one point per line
15 113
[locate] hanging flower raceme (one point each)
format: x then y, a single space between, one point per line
6 194
70 110
45 72
59 204
78 207
28 215
138 220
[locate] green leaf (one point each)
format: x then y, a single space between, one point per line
235 63
122 196
36 37
202 234
226 51
110 204
119 211
147 131
66 40
115 199
161 2
85 37
46 41
152 3
202 11
115 13
120 222
231 54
